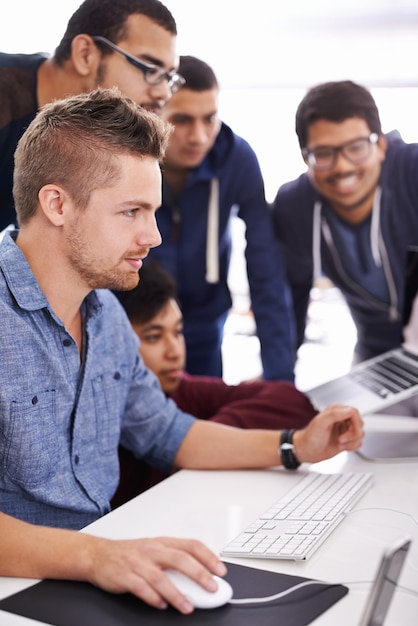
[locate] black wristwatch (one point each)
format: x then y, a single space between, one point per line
287 450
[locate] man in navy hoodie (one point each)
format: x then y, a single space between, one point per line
208 173
353 214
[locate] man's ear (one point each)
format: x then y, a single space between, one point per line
85 55
53 200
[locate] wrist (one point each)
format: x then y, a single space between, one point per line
88 556
298 443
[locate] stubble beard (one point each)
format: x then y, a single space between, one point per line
84 266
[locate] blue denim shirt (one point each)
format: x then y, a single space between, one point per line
61 420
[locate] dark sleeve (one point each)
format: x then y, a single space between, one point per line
292 212
269 291
203 396
265 404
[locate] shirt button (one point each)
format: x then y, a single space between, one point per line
116 375
66 342
35 400
76 459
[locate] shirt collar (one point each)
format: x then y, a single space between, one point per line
23 284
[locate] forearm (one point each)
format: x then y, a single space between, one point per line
31 551
209 445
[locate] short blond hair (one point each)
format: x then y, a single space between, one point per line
73 143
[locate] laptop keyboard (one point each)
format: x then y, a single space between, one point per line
296 525
388 376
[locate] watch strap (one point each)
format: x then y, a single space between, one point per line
287 450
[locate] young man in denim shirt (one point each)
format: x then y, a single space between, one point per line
73 386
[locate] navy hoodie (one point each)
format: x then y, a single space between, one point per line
229 180
378 320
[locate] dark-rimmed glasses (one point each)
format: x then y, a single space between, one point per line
153 75
355 151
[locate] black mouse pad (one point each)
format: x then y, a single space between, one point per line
66 603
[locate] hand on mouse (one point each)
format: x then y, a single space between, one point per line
134 566
137 566
199 597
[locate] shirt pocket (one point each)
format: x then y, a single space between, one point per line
109 401
32 447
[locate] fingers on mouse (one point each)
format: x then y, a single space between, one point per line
199 597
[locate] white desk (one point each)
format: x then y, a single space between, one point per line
215 506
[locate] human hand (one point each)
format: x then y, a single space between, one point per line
335 429
137 566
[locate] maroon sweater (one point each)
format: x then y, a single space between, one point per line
265 404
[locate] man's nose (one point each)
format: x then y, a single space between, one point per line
171 347
199 132
148 234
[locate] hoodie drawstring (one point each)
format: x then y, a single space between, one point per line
316 241
212 236
375 228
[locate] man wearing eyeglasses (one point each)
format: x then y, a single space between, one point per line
352 215
129 44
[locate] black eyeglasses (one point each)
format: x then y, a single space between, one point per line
153 74
355 151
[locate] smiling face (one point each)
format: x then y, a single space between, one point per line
106 241
194 115
348 187
149 42
162 345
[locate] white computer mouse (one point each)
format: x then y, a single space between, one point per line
197 595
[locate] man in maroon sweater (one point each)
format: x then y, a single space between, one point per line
155 315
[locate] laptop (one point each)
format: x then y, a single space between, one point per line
385 582
378 383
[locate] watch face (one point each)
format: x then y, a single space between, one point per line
287 446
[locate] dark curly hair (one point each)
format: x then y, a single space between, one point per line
155 289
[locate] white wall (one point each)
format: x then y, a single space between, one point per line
262 43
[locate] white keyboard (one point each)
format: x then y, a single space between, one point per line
296 525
